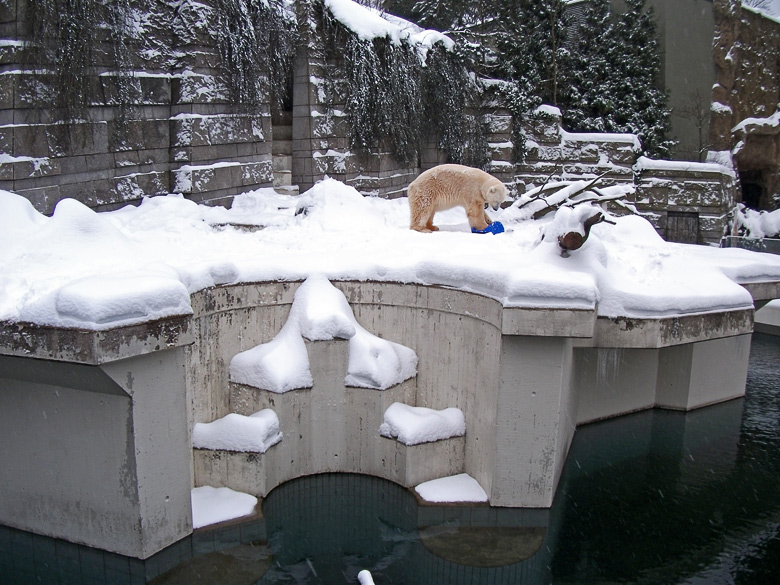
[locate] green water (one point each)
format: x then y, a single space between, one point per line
653 498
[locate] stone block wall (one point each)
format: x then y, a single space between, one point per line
499 129
555 154
685 202
321 133
179 133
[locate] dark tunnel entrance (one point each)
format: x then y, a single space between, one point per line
754 193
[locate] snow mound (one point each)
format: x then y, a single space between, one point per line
95 271
757 224
255 433
320 312
413 425
112 300
212 505
455 488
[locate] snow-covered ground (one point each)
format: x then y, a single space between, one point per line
95 271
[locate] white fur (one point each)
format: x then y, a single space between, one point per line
447 186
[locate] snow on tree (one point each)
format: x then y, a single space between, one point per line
611 84
753 224
602 73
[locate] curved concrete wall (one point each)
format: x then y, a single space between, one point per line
96 426
457 338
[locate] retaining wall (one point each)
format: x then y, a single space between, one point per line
98 424
179 131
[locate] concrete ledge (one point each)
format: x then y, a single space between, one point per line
548 322
93 347
654 333
523 377
768 319
762 292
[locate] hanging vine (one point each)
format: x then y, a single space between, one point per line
451 99
256 42
69 37
395 99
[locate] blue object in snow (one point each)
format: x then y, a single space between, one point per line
494 228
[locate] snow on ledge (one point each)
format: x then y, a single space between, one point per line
644 164
255 433
772 121
320 312
631 140
455 488
212 505
413 425
368 24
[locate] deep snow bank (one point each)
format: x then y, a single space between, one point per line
95 271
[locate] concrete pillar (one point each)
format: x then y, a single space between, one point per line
162 443
702 373
98 455
535 420
329 418
612 381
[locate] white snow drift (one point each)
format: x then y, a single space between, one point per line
211 505
455 488
413 425
320 312
255 433
96 271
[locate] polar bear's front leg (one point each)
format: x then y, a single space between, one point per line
422 217
477 217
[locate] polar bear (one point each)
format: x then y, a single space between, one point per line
446 186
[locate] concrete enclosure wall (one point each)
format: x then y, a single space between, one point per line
98 455
97 426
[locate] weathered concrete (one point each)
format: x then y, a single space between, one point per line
98 424
535 425
768 319
97 455
694 375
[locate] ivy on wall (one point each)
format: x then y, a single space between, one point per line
73 39
256 42
67 39
452 110
394 99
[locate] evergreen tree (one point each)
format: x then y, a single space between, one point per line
586 104
643 106
612 82
607 84
530 43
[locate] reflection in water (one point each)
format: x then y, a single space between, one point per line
654 498
326 528
666 497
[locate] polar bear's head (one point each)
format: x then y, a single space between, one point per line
494 193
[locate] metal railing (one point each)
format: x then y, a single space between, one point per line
770 245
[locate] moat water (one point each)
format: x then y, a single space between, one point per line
654 498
